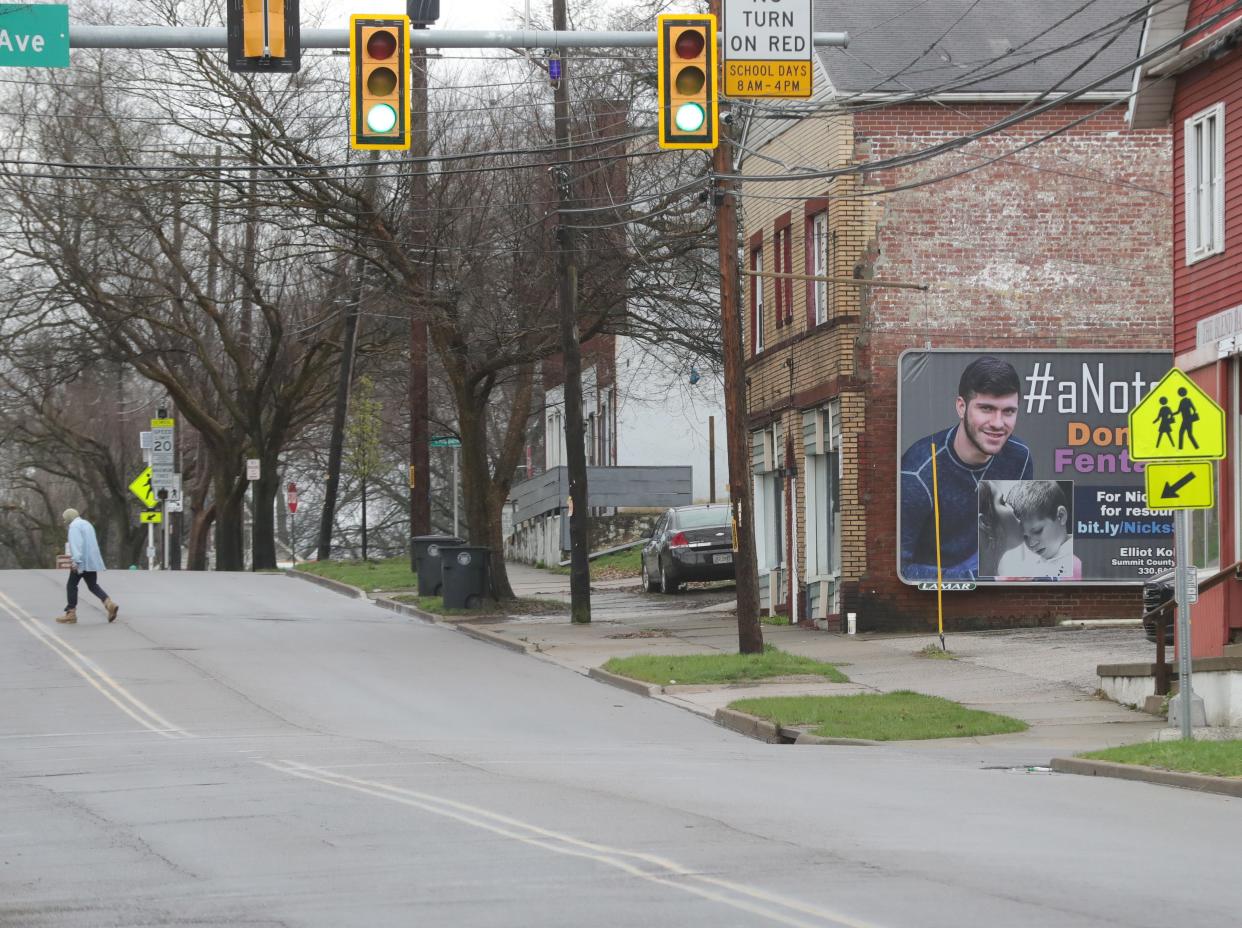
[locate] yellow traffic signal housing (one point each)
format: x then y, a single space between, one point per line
687 65
379 82
264 35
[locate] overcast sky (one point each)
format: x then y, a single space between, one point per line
454 14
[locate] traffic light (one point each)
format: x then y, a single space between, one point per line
379 82
264 35
687 81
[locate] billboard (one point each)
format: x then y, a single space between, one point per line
1032 467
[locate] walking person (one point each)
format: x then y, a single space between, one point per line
87 563
1190 415
1165 416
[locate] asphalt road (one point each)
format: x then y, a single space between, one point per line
244 750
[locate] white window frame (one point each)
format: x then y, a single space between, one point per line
819 265
758 262
1204 148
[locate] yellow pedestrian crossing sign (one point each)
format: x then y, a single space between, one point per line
1177 421
155 517
1181 485
141 488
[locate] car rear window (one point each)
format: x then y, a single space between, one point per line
702 518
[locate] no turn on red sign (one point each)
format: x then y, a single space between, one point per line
767 48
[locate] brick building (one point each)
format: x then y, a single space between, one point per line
1195 89
1053 233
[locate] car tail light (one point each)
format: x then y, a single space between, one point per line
679 541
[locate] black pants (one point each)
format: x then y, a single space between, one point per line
71 588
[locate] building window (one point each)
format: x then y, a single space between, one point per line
756 300
1205 539
782 261
817 243
1205 183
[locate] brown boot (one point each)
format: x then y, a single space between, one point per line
112 608
69 618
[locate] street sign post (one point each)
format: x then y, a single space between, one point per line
34 35
768 48
291 492
1180 430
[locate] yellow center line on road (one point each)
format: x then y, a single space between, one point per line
644 866
93 674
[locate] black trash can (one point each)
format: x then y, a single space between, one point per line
425 552
466 575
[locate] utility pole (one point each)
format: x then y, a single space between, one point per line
749 631
336 444
420 13
567 305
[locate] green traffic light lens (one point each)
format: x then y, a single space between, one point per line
381 82
381 118
690 81
690 117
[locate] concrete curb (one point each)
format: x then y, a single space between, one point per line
1102 768
749 725
407 610
625 683
806 737
482 634
335 586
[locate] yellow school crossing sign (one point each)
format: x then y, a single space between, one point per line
141 488
1176 421
1181 485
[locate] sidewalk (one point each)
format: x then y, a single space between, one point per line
1043 676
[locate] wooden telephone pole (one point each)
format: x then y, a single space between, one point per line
749 631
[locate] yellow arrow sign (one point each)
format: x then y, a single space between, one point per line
1177 421
1184 485
151 518
141 488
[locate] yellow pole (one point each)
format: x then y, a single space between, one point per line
939 575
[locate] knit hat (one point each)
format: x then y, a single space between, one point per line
69 515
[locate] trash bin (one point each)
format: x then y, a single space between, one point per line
465 571
425 552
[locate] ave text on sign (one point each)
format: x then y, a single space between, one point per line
34 35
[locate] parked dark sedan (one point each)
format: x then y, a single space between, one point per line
1157 591
688 543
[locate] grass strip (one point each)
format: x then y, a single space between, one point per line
666 669
615 566
899 716
1214 758
389 574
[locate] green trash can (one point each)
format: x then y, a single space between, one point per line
466 575
426 554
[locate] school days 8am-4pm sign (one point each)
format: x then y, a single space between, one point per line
34 35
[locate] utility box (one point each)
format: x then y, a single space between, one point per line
466 576
426 554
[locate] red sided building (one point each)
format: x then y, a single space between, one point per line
1189 78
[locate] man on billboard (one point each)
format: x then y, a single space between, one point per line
981 445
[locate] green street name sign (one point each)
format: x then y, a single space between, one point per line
34 35
445 441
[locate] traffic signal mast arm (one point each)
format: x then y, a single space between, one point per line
83 36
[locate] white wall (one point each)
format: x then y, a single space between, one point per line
662 419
